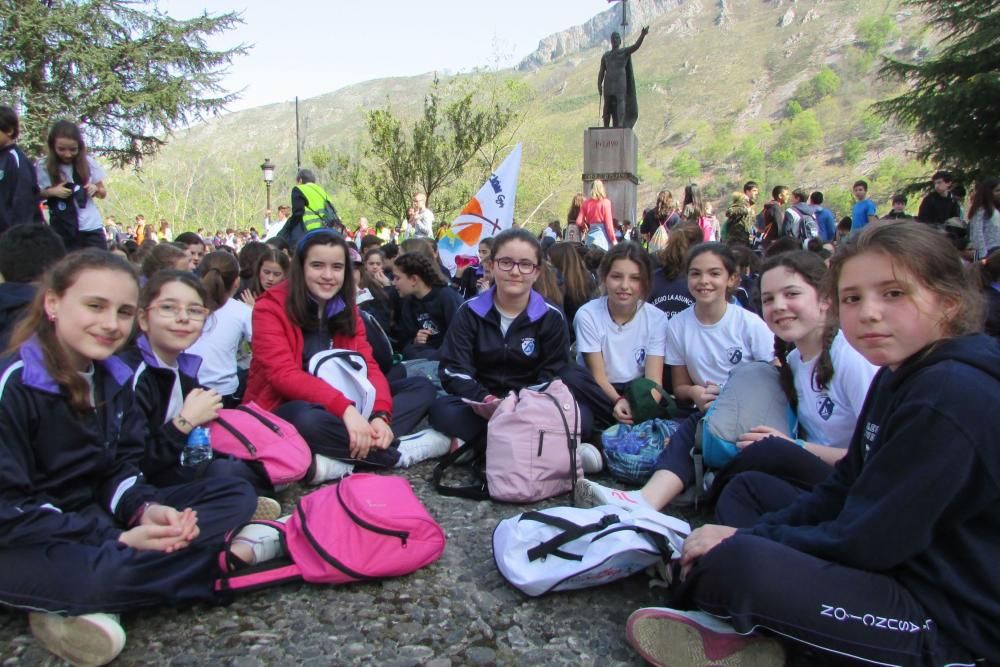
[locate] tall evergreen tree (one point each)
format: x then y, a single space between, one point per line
954 101
127 73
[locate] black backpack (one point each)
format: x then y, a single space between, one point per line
802 225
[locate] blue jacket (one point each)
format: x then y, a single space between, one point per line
152 383
478 360
66 476
434 312
917 497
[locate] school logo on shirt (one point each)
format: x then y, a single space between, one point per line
824 406
528 346
61 206
868 437
640 356
735 355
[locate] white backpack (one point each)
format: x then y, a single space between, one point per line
346 371
565 548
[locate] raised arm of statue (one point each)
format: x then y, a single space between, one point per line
642 35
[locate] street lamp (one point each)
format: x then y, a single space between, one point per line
268 169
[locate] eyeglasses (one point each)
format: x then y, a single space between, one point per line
172 310
525 267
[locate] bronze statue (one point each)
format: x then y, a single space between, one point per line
616 84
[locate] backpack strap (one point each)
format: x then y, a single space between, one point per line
570 435
239 576
570 532
477 491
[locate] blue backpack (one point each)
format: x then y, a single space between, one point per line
752 396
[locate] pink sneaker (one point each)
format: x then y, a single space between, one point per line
671 638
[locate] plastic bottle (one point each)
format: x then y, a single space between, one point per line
198 448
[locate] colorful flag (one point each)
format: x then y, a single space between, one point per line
487 214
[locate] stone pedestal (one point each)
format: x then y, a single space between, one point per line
611 155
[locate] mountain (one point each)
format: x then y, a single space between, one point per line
728 90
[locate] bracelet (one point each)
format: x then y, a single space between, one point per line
800 442
383 415
182 420
620 399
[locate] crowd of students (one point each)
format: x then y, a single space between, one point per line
870 531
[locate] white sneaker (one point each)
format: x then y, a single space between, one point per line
264 542
591 457
422 445
88 640
326 469
592 494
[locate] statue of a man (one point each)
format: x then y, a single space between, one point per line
616 83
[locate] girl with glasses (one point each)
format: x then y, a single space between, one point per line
83 535
506 339
171 316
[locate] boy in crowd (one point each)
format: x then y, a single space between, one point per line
864 208
26 252
938 206
18 182
898 211
824 217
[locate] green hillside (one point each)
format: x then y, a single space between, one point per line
723 97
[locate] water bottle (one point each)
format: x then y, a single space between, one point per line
198 447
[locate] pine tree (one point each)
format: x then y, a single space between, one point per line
954 100
127 74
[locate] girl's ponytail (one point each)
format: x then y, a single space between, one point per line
219 272
823 372
785 376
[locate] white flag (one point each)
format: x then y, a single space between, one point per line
487 214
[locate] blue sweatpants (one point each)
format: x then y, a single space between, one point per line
74 578
758 583
326 434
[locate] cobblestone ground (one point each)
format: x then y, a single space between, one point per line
458 611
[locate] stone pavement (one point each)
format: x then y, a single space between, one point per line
458 611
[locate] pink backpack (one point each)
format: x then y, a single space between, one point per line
530 447
251 433
363 528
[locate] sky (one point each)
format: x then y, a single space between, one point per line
311 47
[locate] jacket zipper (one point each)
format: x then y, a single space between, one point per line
401 534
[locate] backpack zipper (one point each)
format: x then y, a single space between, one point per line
261 418
236 434
403 535
323 553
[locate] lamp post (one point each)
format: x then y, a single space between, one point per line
268 169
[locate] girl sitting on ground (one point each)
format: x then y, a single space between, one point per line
620 337
427 309
704 344
314 310
504 340
891 560
171 316
83 535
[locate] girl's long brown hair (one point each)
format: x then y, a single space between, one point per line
928 256
301 309
57 280
63 129
579 284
